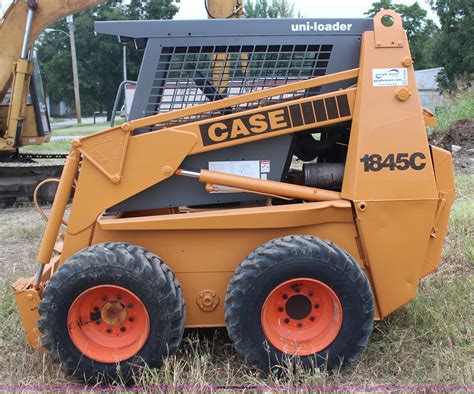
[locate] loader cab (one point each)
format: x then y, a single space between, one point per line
187 63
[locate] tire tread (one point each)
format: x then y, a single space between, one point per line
123 255
267 257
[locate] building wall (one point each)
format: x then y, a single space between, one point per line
57 109
428 88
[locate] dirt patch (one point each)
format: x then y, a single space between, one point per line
458 139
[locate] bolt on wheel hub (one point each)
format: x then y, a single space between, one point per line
113 313
108 323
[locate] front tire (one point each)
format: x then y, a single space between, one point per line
299 298
111 309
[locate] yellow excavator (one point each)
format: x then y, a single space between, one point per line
24 117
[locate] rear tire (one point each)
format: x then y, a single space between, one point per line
136 316
272 310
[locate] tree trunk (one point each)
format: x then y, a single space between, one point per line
109 113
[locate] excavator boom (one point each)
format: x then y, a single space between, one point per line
12 29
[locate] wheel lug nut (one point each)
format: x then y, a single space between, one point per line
280 309
123 329
311 318
316 306
119 297
105 298
131 318
311 294
285 296
300 324
286 321
109 330
129 306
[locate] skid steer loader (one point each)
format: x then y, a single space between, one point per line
275 178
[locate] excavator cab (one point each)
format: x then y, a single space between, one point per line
36 125
38 100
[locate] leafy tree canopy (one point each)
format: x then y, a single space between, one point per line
99 57
453 46
265 9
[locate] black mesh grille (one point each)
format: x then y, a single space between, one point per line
187 76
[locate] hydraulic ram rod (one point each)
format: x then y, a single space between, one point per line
262 186
57 212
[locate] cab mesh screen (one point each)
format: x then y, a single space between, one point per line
188 76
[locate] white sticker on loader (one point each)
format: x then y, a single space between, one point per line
264 166
389 77
250 168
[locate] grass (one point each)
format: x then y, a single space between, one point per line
64 145
84 129
427 342
54 146
30 231
460 245
455 108
464 187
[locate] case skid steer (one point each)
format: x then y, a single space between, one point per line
197 211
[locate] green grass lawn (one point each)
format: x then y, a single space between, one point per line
65 145
82 130
455 108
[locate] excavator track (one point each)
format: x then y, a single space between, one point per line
19 177
39 156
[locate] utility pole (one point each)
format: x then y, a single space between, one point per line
124 60
75 76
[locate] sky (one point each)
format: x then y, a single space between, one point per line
194 9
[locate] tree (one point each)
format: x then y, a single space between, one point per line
420 29
151 9
262 9
99 57
454 44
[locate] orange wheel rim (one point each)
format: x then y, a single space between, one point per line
108 323
301 316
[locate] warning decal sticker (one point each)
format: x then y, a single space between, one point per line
264 166
250 168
